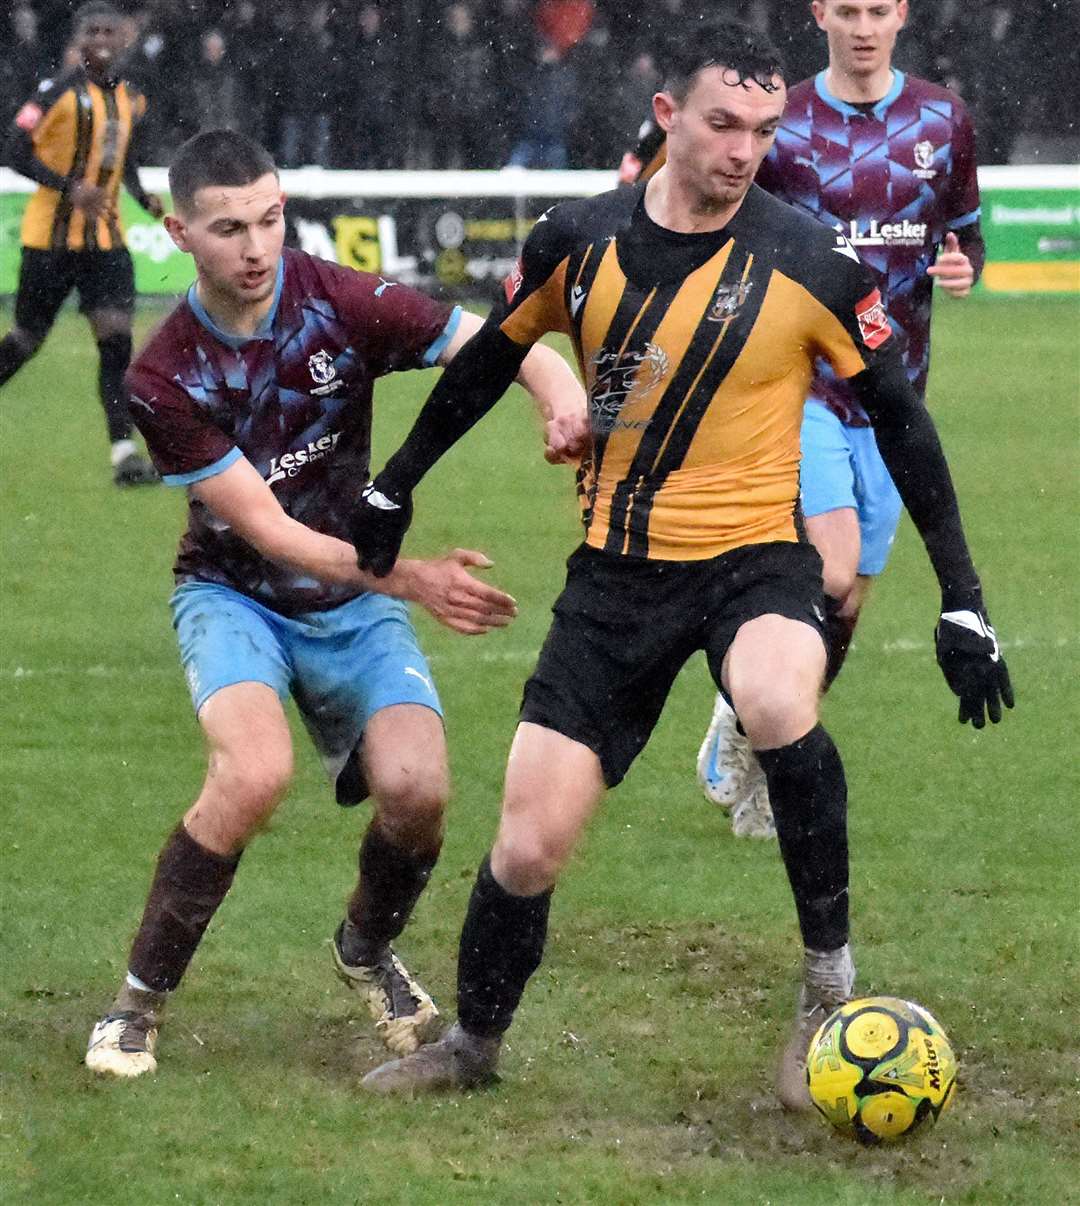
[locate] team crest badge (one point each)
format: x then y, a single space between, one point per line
924 160
322 367
728 300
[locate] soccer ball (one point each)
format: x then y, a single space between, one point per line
879 1067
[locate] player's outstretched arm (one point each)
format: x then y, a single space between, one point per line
967 646
554 388
475 380
443 586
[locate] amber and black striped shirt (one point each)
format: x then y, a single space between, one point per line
73 129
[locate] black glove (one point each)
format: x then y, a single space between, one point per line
379 524
970 658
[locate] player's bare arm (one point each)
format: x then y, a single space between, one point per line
241 498
555 390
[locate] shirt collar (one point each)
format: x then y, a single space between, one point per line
231 340
850 110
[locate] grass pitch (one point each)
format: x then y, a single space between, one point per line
639 1070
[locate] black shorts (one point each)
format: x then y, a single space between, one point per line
624 628
105 281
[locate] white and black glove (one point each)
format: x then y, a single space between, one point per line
378 526
970 658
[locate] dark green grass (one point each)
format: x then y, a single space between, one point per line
640 1068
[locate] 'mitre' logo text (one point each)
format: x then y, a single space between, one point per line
290 463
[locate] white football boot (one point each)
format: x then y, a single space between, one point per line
405 1016
731 776
122 1044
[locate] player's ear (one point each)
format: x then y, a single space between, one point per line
664 107
177 231
818 9
902 8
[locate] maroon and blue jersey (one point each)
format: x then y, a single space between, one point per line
294 399
892 178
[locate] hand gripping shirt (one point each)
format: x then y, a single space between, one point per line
295 399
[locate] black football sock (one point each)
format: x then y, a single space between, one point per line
838 633
809 802
13 355
502 943
391 880
189 884
115 355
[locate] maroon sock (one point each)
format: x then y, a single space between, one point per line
391 880
838 633
189 884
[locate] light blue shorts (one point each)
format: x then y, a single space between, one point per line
841 467
341 666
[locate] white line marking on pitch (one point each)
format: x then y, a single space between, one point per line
902 645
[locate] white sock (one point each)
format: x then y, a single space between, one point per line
120 450
830 974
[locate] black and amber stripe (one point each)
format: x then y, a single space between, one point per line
726 349
633 326
683 406
84 141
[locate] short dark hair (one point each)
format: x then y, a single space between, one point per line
744 51
221 157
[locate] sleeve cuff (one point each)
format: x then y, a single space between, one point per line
965 220
199 475
436 349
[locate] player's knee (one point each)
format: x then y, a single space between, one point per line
777 714
529 862
254 779
410 804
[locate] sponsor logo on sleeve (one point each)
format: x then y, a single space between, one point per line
514 281
873 321
29 116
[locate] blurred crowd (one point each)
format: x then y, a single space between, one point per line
484 83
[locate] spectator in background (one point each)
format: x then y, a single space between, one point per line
612 88
216 88
994 49
304 74
251 44
550 97
150 63
26 61
366 131
460 100
513 37
564 23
